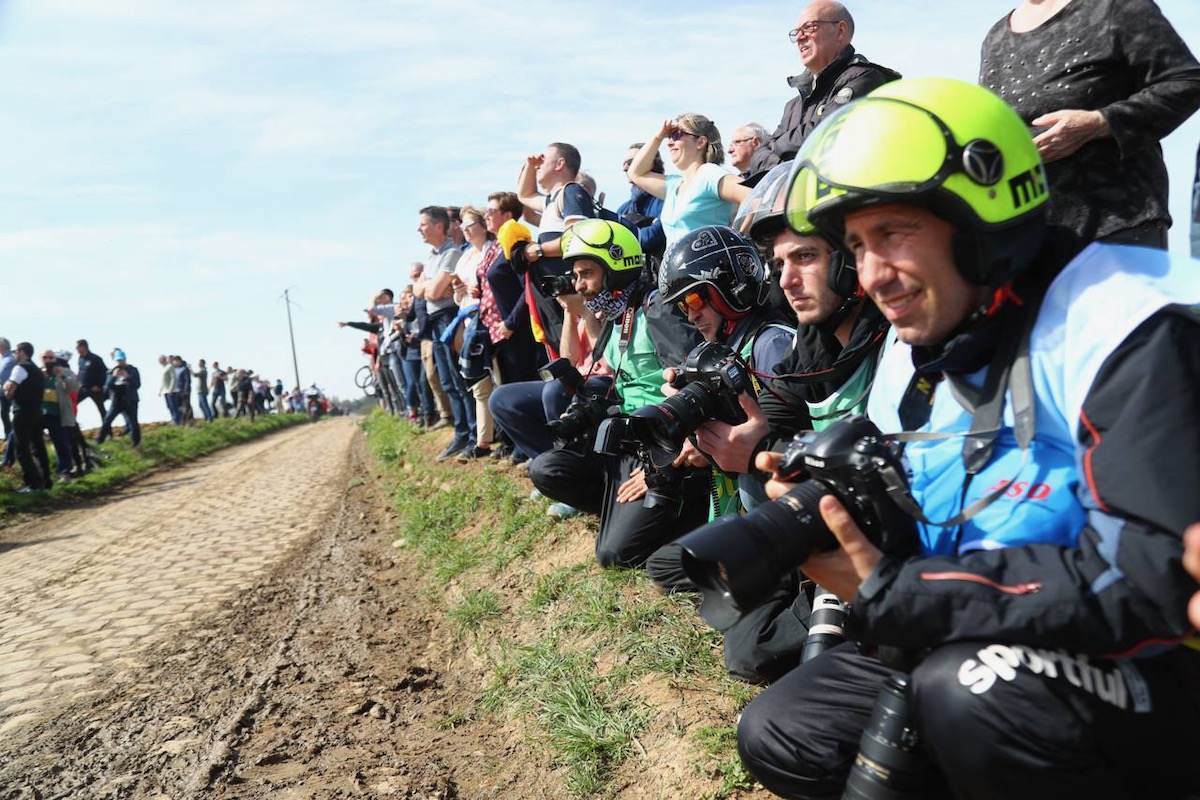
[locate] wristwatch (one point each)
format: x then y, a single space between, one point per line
537 248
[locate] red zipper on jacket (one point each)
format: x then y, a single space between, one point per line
1022 588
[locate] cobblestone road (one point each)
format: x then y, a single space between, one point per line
83 591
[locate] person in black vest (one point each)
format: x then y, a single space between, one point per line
91 376
24 388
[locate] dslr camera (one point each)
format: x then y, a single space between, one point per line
557 285
709 382
586 410
738 561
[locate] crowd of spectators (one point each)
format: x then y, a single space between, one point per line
40 403
760 258
979 266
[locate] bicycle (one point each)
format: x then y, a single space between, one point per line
365 380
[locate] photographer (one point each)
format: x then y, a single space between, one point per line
1047 609
718 282
608 266
824 376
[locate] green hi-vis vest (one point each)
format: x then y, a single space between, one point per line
850 398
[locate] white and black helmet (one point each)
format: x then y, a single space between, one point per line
721 259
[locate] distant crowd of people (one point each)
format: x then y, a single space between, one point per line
43 402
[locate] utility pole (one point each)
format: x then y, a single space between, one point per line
291 335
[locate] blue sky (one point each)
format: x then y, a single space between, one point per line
170 168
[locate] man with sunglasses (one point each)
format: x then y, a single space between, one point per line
1053 451
608 266
718 282
834 75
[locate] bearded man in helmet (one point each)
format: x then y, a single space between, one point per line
608 267
1055 460
824 376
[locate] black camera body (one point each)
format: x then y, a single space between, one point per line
709 382
557 285
586 411
628 435
563 371
738 561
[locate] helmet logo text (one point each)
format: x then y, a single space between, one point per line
1028 186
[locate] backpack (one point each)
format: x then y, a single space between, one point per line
598 211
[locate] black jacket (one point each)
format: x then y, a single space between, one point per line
91 370
1121 590
849 77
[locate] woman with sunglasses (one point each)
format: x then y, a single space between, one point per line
702 193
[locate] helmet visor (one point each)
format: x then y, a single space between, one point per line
884 147
765 201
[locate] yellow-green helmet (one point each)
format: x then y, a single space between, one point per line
949 146
610 243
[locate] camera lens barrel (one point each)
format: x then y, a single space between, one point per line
889 765
825 625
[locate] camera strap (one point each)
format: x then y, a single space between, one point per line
1011 372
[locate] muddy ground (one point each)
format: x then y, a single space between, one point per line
210 634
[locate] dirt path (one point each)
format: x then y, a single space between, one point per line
233 628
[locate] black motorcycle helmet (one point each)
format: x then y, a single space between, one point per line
720 261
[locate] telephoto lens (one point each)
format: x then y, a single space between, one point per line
889 764
824 625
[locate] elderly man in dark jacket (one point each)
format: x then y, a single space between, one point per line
834 75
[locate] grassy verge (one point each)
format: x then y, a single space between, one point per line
614 681
160 446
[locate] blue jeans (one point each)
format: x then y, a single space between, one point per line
462 404
522 410
172 406
202 401
416 388
61 441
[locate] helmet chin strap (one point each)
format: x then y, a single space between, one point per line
830 324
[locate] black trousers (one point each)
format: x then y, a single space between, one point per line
30 448
996 722
6 413
629 532
765 643
96 397
129 411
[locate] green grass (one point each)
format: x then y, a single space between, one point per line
161 445
571 647
719 744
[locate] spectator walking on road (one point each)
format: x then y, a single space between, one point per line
183 389
166 388
220 403
201 376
